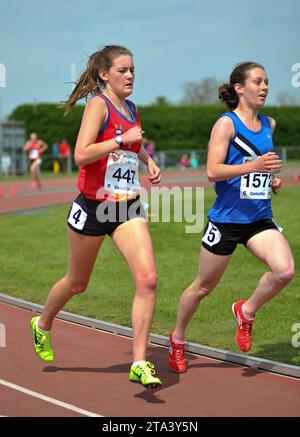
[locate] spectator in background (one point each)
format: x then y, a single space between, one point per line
194 160
56 158
65 152
184 162
149 146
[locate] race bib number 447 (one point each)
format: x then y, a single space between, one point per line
256 186
122 173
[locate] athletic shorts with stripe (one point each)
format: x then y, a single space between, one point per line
95 218
223 238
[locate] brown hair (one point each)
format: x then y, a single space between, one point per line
227 92
89 81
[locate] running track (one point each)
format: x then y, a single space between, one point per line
90 373
91 369
18 196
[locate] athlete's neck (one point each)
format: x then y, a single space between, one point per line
116 100
248 116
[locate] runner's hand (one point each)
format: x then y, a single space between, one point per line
276 185
267 163
154 172
133 135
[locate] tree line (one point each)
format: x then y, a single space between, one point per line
170 126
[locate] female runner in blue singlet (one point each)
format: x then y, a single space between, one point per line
242 164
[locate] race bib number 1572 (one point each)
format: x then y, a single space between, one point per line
256 186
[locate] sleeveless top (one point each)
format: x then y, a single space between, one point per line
247 198
113 177
34 151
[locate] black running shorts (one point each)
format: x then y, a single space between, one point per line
95 218
222 238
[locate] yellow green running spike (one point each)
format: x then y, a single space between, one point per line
42 342
143 372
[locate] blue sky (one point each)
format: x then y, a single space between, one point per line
173 41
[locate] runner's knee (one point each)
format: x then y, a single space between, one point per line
147 282
204 291
284 276
78 287
203 287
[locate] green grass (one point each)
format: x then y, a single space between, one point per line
293 163
33 256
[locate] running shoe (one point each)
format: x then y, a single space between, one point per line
42 342
144 372
244 330
176 358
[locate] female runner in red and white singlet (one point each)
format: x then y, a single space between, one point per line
35 148
108 149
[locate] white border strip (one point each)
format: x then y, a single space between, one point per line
198 349
48 399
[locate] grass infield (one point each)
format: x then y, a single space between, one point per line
33 256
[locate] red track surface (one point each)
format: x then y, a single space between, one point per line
91 369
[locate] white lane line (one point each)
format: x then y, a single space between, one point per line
48 399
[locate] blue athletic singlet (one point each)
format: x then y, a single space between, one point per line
248 198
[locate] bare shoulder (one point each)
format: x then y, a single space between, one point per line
95 111
273 123
224 126
26 145
96 103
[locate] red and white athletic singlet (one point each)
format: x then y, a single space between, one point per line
115 176
34 150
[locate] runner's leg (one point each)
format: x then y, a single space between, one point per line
83 251
272 248
133 240
211 269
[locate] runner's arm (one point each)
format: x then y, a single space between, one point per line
86 150
44 146
221 136
94 116
153 169
26 146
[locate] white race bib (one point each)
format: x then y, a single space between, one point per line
256 185
212 235
33 154
122 173
77 217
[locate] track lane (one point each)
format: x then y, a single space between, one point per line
91 370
